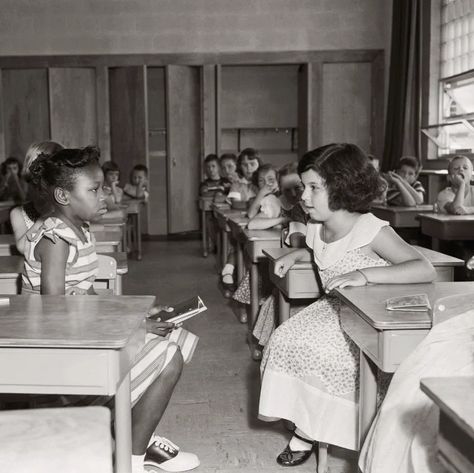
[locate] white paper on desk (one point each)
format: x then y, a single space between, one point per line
182 311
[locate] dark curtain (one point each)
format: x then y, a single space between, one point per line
402 128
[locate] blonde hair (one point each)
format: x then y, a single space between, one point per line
35 149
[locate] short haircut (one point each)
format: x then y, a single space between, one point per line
458 156
229 157
288 168
140 167
352 182
211 157
110 166
61 169
410 161
264 168
8 162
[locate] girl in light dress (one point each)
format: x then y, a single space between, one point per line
310 368
60 259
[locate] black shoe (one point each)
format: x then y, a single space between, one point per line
291 457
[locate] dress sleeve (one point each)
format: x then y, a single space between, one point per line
270 206
444 197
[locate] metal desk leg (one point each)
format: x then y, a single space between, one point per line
367 396
253 295
123 427
139 235
225 247
283 308
204 233
240 263
118 285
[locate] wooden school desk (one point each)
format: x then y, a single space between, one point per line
255 241
205 207
11 268
455 440
133 209
300 281
384 337
7 245
82 345
447 227
108 241
401 217
237 223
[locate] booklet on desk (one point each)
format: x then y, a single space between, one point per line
414 303
182 311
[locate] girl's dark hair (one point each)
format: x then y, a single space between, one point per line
249 153
110 166
139 167
61 169
7 162
229 156
352 182
211 157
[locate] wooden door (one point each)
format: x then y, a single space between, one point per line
183 147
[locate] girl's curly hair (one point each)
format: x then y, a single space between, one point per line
351 180
61 169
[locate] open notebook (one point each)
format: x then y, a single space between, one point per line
413 303
182 311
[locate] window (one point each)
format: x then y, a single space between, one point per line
454 134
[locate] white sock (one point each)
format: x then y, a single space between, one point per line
137 463
227 274
297 444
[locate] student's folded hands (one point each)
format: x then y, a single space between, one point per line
354 278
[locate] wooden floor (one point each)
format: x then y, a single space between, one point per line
213 411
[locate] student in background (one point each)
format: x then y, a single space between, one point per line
228 163
23 217
245 188
310 368
242 189
113 193
382 200
266 200
458 199
137 188
404 188
12 186
214 184
60 259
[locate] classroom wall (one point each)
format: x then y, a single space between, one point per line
158 26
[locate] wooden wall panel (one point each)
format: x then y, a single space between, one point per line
25 109
346 104
73 106
184 149
259 96
157 207
128 118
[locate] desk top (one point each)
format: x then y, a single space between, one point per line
436 258
369 302
72 321
445 218
398 209
240 220
12 266
453 396
262 235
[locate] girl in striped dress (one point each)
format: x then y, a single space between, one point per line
60 259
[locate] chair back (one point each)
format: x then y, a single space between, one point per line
450 306
107 273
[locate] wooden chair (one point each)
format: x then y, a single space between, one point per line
70 440
107 275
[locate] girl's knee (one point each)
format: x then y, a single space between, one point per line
175 366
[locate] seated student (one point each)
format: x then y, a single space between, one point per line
266 201
22 218
404 189
12 186
242 189
376 164
137 188
228 162
60 259
458 199
310 369
113 193
214 184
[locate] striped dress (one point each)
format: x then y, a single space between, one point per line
81 271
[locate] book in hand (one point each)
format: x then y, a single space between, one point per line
182 311
415 303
